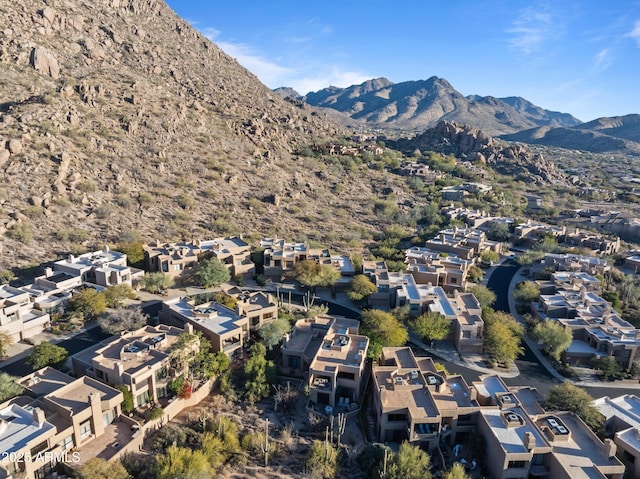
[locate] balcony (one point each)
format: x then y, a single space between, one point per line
321 383
231 344
422 432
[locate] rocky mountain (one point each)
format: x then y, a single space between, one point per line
118 118
471 144
417 105
619 134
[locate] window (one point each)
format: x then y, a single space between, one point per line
516 464
397 417
177 267
466 334
268 315
85 429
39 448
454 280
142 398
294 362
66 443
344 375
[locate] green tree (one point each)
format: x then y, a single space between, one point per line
46 354
456 472
361 287
609 368
432 326
311 274
211 272
6 340
134 251
484 295
123 319
498 231
127 401
6 276
322 462
97 468
9 387
115 296
475 274
569 397
183 463
271 333
88 302
489 256
258 373
157 282
383 330
410 462
502 336
553 336
526 292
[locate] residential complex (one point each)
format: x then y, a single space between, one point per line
58 414
225 329
573 299
140 360
622 423
179 260
25 311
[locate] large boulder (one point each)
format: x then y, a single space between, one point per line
45 62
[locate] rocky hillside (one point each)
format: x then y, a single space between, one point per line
471 144
417 105
117 117
620 134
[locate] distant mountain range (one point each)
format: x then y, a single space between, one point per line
619 134
415 106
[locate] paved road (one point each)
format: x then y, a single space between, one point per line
73 345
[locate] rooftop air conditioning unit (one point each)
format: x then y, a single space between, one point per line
414 374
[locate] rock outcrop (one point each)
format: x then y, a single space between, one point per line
470 144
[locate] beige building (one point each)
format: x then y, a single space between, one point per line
430 267
523 441
258 307
465 243
56 419
226 330
103 268
337 368
19 316
140 359
414 401
622 424
179 260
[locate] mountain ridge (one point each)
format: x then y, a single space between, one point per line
420 104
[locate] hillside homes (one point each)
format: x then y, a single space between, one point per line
179 260
396 290
56 415
140 360
572 298
432 267
281 258
465 243
25 311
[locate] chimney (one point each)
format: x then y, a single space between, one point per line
48 272
529 441
105 249
609 448
188 328
93 398
38 416
118 369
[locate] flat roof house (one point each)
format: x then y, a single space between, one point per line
179 260
139 359
414 401
57 413
227 331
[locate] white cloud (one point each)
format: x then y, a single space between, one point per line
209 32
635 33
603 59
530 29
269 72
333 76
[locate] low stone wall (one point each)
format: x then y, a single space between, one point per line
170 411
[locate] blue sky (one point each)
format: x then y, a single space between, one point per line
576 56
